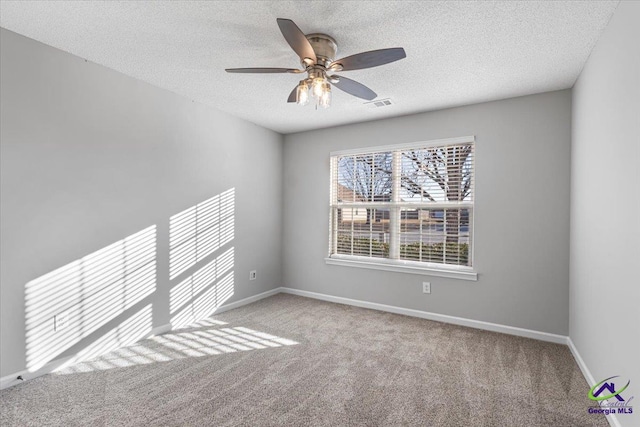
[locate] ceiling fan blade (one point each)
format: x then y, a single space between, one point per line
296 39
369 59
292 95
263 70
354 88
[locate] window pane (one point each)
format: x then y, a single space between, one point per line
364 178
363 232
437 174
438 235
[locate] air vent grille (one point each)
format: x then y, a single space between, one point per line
379 103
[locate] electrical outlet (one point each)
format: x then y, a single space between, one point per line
426 287
252 275
60 321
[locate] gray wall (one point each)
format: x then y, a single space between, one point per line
90 156
605 205
521 216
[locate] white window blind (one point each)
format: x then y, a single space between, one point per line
412 204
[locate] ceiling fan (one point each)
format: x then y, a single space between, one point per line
317 54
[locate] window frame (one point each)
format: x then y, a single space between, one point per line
400 265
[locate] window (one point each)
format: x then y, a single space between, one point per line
406 208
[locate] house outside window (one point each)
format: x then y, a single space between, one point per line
405 207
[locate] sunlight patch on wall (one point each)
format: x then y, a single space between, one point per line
199 231
181 345
195 236
68 304
198 296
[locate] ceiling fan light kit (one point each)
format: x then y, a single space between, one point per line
317 54
316 85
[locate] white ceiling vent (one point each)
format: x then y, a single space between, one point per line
378 103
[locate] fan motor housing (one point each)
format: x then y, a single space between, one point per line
324 46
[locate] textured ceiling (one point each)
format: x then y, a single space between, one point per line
457 52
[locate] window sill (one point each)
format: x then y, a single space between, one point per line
402 267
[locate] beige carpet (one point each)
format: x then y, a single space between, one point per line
294 361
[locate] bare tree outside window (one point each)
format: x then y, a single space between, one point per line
369 177
438 175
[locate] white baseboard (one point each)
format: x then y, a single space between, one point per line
246 301
159 330
477 324
11 380
586 373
